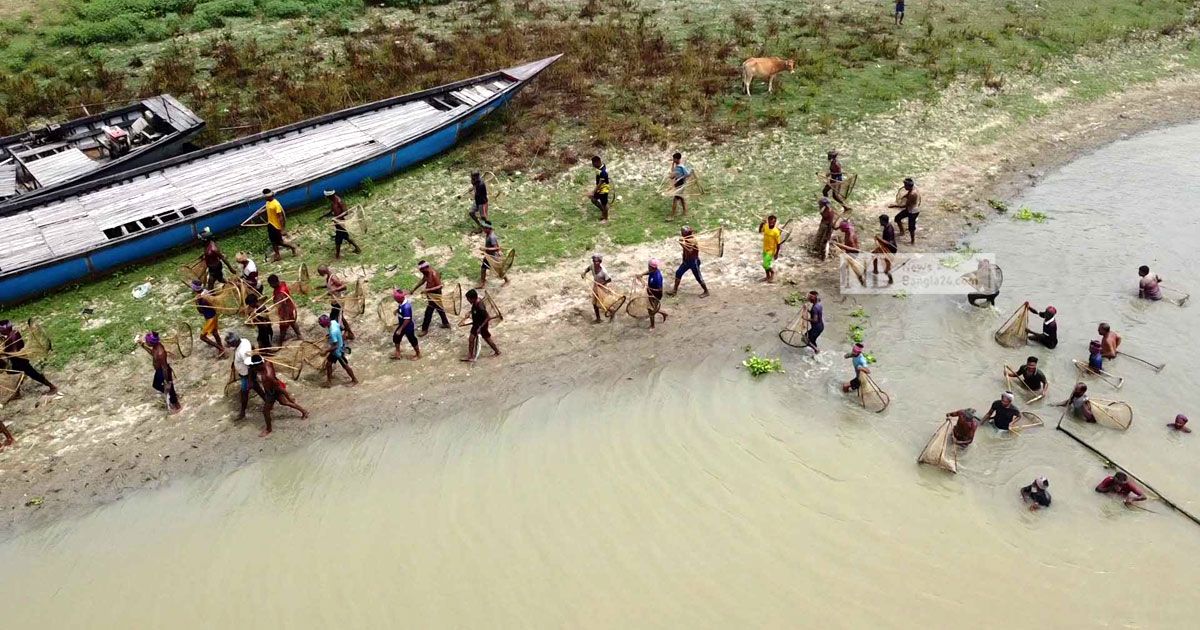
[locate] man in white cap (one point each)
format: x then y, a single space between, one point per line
1003 412
244 350
249 273
599 276
654 290
337 210
1037 494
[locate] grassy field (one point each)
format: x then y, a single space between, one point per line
640 79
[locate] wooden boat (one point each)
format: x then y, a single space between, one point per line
43 160
97 226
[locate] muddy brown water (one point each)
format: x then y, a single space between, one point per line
693 496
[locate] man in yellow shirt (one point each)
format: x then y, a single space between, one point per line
771 241
276 224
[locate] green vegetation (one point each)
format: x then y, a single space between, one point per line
759 366
638 80
1026 214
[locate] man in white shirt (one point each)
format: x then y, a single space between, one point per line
242 354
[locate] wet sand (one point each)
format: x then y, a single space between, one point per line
66 465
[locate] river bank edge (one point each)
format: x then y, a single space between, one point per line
65 479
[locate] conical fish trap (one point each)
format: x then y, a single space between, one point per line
796 333
450 299
872 398
852 266
502 263
385 310
179 342
609 301
10 384
1027 420
711 242
1113 414
941 451
1013 334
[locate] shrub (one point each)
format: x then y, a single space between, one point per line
285 9
121 29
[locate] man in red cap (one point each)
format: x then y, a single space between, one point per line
405 327
1049 335
859 361
1180 424
164 376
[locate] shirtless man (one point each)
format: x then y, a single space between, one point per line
888 235
1180 424
336 288
8 436
210 332
273 390
1110 342
214 259
600 276
829 218
834 174
164 376
849 235
11 343
691 260
1148 285
285 307
1120 485
480 319
337 210
910 203
432 282
966 421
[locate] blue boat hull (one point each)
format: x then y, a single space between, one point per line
157 242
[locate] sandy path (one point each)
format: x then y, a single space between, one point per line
109 435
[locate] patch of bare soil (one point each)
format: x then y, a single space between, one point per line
109 434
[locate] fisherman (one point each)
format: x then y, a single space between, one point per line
1120 485
1031 376
1077 403
276 225
988 284
859 361
1148 285
336 350
899 13
273 390
479 209
249 275
1095 356
213 259
816 320
834 174
771 240
480 319
337 210
1180 424
849 235
210 332
11 352
680 176
654 290
1003 412
241 367
492 254
433 296
603 188
336 289
1037 494
600 276
164 376
1049 335
910 202
820 245
8 436
285 307
405 326
691 260
260 318
966 421
888 236
1110 342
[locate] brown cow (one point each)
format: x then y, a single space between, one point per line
765 68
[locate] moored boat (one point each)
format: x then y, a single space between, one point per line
97 226
40 161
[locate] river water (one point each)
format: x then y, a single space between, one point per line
693 496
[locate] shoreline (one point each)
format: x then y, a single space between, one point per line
72 471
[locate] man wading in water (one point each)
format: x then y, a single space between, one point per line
859 361
1110 342
1003 412
1049 335
965 423
1031 376
1148 285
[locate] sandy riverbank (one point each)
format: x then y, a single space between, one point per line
108 435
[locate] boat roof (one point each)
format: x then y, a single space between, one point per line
91 214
